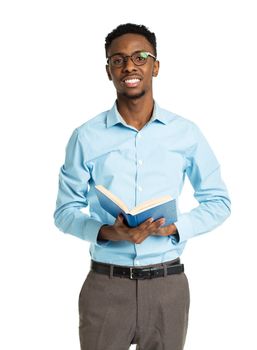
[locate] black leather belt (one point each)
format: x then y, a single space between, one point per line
135 273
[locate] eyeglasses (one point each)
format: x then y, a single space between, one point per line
138 58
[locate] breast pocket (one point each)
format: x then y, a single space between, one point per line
118 164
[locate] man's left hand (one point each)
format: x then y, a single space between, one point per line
166 231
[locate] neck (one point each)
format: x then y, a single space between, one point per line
136 112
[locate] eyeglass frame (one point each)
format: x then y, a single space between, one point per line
126 57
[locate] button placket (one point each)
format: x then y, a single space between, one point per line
139 163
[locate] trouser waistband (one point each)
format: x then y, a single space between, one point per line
148 272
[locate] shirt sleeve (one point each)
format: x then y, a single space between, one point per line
203 171
72 194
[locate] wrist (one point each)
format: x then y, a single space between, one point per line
174 230
175 235
103 233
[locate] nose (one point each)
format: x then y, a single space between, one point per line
129 65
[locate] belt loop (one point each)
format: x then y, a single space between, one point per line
111 271
165 270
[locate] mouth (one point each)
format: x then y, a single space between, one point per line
131 82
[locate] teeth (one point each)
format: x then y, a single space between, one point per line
132 81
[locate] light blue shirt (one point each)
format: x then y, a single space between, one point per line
138 166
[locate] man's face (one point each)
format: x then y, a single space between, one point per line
130 80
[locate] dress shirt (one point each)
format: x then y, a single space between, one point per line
138 165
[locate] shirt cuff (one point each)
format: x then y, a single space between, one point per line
185 229
92 228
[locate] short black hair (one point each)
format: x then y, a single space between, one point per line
134 29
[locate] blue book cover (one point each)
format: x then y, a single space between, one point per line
157 208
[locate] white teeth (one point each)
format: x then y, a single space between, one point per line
132 81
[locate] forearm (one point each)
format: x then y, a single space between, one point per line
203 171
117 232
120 231
73 221
206 217
73 189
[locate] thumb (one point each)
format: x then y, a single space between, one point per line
120 218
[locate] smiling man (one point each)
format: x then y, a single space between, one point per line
136 291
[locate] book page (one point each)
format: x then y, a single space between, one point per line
112 197
150 204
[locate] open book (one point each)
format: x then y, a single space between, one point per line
155 208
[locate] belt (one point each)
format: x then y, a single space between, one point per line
136 273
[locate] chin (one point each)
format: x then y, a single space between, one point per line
135 96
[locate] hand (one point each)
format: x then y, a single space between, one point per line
119 231
166 231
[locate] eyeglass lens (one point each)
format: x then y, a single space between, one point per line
138 58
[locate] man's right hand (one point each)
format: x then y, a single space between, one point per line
119 231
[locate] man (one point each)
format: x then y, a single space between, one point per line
136 291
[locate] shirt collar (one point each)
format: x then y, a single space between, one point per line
114 117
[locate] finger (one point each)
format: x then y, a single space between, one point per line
120 218
146 223
149 221
141 237
149 226
156 225
162 231
165 231
161 221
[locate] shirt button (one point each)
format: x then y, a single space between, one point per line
139 135
140 162
140 188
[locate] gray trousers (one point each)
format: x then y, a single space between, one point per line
116 312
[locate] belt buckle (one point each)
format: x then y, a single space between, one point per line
133 275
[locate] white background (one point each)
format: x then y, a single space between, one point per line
52 80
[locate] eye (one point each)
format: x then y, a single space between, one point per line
117 60
140 56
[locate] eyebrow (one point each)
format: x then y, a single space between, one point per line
123 54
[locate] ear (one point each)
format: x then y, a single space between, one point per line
107 67
156 68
